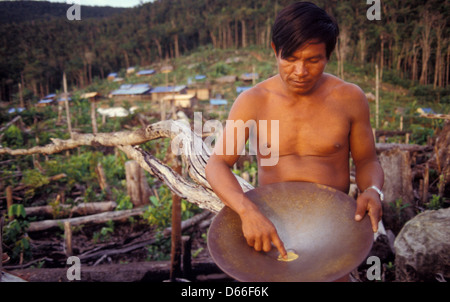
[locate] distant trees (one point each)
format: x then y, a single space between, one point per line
411 39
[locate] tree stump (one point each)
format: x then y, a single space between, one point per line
137 185
398 190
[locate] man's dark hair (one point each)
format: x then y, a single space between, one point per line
303 22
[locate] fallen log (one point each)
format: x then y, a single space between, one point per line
381 147
185 224
89 219
156 271
83 209
125 248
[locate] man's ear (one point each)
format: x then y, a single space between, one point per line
274 49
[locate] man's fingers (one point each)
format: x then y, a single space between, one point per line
250 241
375 217
374 221
365 204
257 246
361 207
267 245
279 245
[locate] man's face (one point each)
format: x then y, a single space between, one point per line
301 71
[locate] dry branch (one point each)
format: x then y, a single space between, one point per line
78 210
125 248
193 151
380 147
89 219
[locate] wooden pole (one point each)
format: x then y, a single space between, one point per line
66 102
172 102
68 238
426 181
176 247
22 104
163 109
102 180
9 200
187 265
93 116
253 76
377 100
1 246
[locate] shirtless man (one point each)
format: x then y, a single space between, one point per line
322 120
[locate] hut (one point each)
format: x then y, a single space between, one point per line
112 76
145 72
181 100
226 79
159 92
131 70
47 100
132 92
248 77
241 89
201 93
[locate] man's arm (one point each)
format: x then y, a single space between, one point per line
368 169
257 229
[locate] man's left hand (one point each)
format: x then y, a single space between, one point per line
369 202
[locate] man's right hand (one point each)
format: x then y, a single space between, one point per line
260 232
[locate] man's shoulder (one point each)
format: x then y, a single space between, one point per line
257 93
249 101
345 91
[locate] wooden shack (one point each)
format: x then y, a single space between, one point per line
201 93
47 100
132 92
159 92
181 100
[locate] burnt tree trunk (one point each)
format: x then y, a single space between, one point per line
137 186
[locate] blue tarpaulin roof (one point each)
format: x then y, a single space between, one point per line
127 89
200 77
45 101
167 89
218 102
50 96
240 89
146 72
12 110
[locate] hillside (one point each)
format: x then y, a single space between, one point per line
408 42
23 11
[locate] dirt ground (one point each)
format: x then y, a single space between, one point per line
103 261
101 245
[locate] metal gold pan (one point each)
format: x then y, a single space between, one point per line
315 222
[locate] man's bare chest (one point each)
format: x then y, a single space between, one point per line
316 131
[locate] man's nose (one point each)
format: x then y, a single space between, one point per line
300 69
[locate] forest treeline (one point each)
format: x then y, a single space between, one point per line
411 39
23 10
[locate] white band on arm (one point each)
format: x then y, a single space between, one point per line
377 190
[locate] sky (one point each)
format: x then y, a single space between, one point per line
113 3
